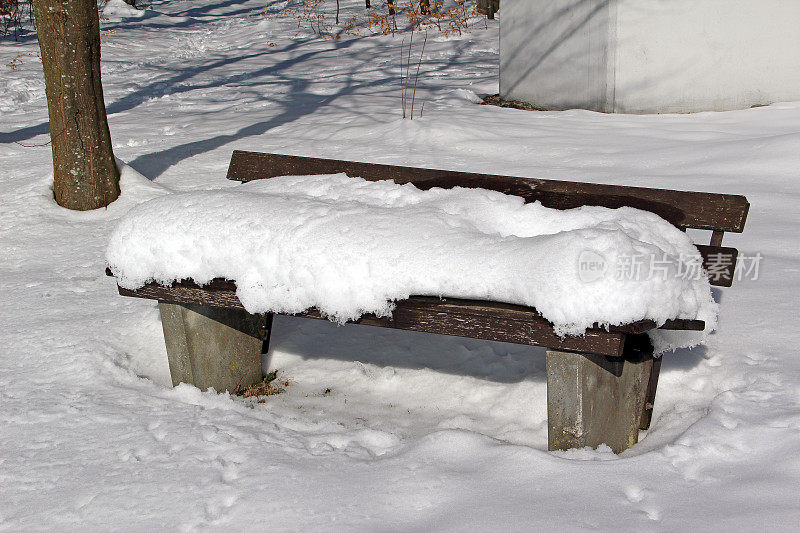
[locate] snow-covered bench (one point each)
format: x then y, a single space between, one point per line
601 385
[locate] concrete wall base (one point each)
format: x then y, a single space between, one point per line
213 347
594 399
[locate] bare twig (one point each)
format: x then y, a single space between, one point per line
416 77
402 88
408 72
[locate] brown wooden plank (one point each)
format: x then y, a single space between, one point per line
191 293
720 263
455 305
723 212
464 318
417 316
684 324
532 332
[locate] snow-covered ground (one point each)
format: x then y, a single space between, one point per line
418 432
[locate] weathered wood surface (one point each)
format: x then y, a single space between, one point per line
721 212
720 263
465 318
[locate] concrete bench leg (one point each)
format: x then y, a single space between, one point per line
214 347
594 399
650 399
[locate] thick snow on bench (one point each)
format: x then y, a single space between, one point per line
348 247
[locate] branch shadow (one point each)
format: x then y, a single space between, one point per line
296 103
367 70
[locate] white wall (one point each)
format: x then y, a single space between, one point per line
650 56
553 53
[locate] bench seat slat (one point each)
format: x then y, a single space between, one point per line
465 318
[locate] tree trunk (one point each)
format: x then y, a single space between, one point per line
85 173
488 7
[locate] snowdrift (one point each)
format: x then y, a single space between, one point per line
349 246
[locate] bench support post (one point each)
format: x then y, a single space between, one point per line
650 399
213 347
595 399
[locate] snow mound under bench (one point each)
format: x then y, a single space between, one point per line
348 247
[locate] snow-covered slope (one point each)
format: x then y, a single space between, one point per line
418 432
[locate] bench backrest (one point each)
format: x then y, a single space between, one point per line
708 211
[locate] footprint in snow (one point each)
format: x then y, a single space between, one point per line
637 495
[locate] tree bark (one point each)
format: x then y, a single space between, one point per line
85 173
488 7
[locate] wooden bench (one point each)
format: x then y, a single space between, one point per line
601 387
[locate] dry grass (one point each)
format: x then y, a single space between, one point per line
516 104
269 386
